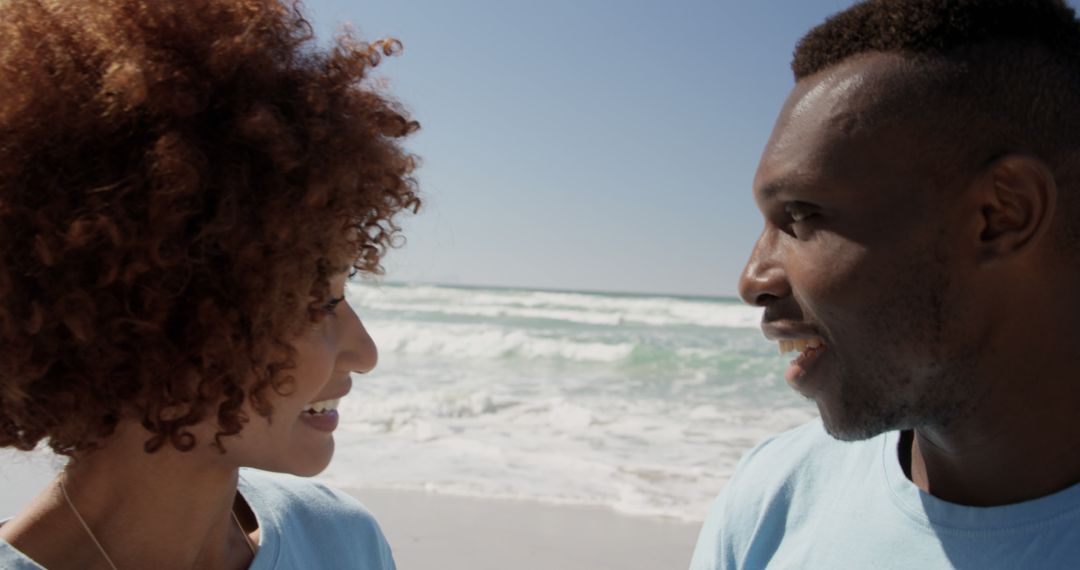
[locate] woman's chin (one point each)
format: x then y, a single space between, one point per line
312 464
309 472
307 461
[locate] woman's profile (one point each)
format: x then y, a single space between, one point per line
185 188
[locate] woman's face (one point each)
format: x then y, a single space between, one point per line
298 437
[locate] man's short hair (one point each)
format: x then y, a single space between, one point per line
988 77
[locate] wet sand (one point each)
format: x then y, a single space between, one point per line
430 531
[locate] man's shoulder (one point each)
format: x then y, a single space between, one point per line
795 466
799 454
780 482
803 440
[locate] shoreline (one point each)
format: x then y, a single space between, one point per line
449 532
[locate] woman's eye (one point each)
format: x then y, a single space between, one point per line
332 304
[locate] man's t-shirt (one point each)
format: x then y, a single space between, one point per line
303 525
805 500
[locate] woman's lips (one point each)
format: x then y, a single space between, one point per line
325 422
322 415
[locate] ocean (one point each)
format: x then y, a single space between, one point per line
640 403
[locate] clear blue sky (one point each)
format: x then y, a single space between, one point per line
584 144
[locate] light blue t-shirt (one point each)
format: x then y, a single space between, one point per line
303 525
804 500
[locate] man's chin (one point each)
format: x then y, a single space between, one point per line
854 427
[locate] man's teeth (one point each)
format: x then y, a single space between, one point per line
799 345
322 407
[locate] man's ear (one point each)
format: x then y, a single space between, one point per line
1017 197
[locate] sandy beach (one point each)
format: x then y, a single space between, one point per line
429 531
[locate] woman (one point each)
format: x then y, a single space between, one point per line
184 189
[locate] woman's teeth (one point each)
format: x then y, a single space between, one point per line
322 407
799 345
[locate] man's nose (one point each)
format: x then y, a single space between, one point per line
764 280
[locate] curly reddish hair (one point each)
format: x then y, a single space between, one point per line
178 182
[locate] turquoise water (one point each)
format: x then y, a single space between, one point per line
640 403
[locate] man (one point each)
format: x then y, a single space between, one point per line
921 254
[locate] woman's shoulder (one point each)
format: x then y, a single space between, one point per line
12 559
298 499
304 520
300 495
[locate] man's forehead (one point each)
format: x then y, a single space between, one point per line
839 96
811 100
826 115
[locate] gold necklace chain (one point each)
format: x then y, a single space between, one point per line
247 539
86 527
105 555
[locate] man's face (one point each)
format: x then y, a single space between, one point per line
864 255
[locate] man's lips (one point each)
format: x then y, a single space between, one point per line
787 330
800 344
799 367
799 339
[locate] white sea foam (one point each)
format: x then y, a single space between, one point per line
584 308
641 404
634 458
487 341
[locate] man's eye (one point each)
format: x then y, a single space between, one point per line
799 212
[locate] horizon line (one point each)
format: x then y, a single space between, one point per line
587 291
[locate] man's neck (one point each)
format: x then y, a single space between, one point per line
1016 458
1021 439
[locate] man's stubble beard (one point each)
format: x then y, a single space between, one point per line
934 383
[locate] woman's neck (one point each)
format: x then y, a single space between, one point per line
164 510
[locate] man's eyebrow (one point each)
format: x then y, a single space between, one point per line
792 187
772 189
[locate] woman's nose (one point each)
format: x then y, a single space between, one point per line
359 353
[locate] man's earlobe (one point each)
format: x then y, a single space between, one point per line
1017 197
